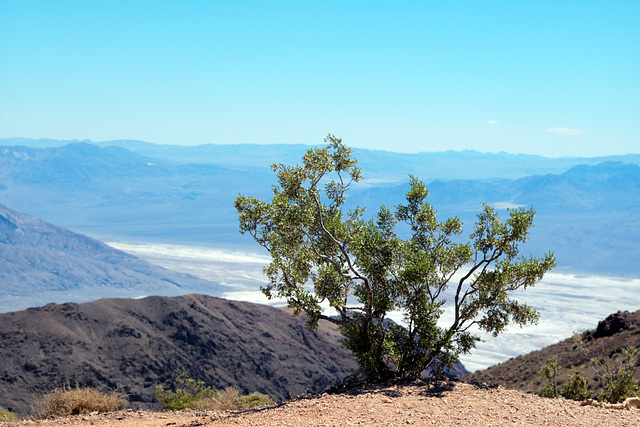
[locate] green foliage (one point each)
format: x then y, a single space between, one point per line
187 392
364 270
8 416
549 371
576 387
617 382
230 399
193 394
548 391
254 400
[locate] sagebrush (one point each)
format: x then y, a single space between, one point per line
549 372
615 378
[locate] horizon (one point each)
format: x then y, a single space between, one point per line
550 78
471 150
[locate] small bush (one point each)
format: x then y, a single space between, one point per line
194 395
254 400
7 416
230 400
226 400
548 391
62 402
186 395
576 387
619 385
549 371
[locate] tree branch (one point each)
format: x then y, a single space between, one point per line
336 242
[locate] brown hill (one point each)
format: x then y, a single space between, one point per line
618 331
136 344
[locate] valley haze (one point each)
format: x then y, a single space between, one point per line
173 206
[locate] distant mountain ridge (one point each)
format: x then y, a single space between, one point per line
587 186
387 166
81 185
587 213
40 262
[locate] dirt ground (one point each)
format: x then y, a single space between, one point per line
446 404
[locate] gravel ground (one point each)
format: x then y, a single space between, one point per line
447 404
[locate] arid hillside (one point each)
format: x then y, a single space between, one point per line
136 344
613 334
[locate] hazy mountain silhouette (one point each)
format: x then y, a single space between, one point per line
40 263
381 165
589 215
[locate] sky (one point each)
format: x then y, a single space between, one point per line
553 78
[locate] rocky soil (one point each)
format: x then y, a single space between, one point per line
422 404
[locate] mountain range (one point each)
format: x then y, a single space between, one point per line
130 191
378 165
587 208
589 215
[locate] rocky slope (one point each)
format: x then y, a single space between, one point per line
619 330
136 344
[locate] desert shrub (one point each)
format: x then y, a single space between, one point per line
187 392
226 400
7 416
193 394
617 382
66 401
254 400
548 391
549 371
576 387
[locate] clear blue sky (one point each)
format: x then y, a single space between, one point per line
541 77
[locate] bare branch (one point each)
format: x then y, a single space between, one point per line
336 242
330 319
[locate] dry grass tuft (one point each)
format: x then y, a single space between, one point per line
194 394
62 402
230 400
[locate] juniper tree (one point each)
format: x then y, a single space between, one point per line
323 253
